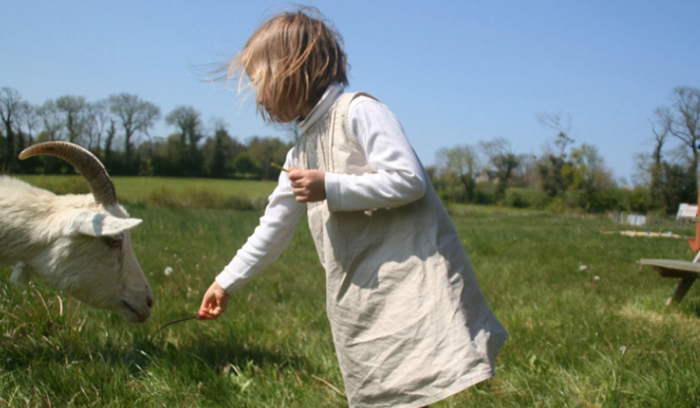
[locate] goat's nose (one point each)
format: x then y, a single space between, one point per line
149 301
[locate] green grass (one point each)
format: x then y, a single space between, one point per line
171 192
599 336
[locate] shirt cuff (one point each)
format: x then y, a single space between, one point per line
333 193
231 278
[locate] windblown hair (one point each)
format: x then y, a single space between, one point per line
290 60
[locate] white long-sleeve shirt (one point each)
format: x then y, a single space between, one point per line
399 180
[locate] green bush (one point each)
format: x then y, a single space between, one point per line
604 200
637 200
524 198
516 198
557 205
484 195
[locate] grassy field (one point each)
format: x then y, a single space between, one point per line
171 192
588 326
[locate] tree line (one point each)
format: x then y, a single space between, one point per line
117 130
567 176
564 176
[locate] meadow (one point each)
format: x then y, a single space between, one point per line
588 326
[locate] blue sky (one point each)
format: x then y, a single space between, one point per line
454 72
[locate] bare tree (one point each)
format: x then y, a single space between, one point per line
527 172
30 119
10 105
74 110
459 165
97 117
551 164
51 120
661 130
682 119
189 122
556 122
643 164
135 115
503 160
110 135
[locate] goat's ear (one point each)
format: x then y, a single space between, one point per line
20 274
98 224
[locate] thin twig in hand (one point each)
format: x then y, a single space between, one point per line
176 321
278 167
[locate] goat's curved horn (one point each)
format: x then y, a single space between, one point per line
85 162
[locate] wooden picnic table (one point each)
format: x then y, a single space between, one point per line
686 271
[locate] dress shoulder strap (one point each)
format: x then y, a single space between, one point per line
343 107
345 154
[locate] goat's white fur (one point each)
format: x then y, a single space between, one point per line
65 239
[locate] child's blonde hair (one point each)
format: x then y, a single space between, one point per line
290 59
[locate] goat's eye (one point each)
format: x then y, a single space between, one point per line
114 242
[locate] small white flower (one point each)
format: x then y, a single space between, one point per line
168 271
596 278
582 268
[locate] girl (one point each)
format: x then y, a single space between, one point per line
409 322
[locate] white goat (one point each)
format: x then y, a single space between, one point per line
80 244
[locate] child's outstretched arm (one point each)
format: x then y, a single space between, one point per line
265 245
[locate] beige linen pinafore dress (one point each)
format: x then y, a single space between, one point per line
409 322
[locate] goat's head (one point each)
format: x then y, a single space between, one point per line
91 257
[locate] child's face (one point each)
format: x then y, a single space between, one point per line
263 94
265 98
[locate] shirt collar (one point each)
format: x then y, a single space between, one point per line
324 104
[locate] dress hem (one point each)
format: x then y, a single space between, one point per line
456 388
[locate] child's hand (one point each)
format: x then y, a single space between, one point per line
214 303
308 185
